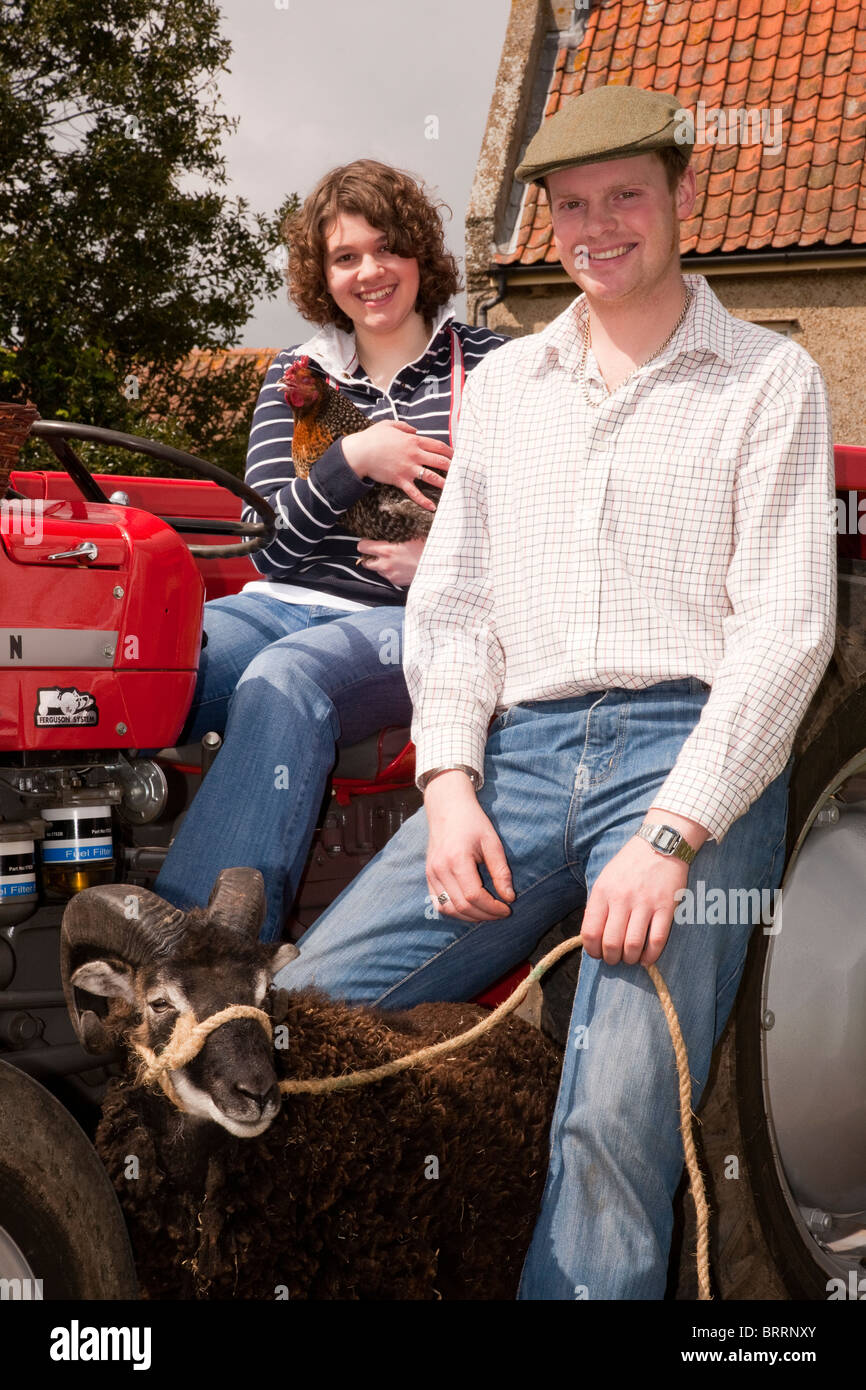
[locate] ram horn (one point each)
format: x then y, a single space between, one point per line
238 900
114 919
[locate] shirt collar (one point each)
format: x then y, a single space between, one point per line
334 349
707 328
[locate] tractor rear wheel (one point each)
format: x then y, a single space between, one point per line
783 1124
62 1235
782 1128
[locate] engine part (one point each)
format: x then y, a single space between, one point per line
78 846
145 790
19 891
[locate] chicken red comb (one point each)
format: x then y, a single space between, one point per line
300 364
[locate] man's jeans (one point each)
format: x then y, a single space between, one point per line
288 684
567 782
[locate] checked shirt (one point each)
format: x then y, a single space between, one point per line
683 525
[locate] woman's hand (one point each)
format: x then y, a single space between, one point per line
396 560
394 452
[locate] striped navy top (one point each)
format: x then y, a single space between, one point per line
310 548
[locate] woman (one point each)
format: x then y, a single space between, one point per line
301 662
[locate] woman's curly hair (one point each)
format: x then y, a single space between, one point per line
392 202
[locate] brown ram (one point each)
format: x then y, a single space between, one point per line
421 1186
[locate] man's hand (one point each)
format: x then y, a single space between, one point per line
631 907
396 560
461 837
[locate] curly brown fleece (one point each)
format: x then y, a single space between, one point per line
336 1200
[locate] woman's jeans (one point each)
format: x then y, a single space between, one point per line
287 684
567 782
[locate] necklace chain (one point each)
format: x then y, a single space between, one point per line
586 342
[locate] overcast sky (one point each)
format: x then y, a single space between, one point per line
317 85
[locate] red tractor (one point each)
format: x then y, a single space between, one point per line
102 587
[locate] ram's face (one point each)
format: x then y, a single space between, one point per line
155 964
232 1080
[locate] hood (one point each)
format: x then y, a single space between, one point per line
334 350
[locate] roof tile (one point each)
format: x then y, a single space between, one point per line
852 61
812 229
725 158
771 175
824 155
805 59
767 202
819 199
851 153
738 81
676 12
761 72
844 199
720 45
770 18
796 178
832 91
767 45
816 40
738 228
713 87
805 109
695 51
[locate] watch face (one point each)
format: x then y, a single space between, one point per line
666 839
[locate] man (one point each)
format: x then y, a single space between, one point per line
632 568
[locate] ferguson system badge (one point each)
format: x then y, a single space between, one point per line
59 706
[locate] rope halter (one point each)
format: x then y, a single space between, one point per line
188 1037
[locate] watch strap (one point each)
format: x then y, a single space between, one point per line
427 777
668 841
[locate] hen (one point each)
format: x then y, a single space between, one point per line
322 415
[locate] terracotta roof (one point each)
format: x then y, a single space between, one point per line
804 58
205 363
202 363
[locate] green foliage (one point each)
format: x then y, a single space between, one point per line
119 250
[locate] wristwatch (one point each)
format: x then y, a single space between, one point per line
665 840
426 777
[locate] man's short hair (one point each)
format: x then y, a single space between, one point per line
676 159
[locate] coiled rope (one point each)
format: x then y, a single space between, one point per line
189 1035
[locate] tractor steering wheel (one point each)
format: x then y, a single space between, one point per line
56 433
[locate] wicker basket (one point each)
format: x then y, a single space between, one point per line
15 422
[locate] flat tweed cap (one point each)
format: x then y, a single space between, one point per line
609 122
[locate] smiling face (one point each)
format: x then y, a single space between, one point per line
620 214
374 287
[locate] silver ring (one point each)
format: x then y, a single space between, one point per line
443 898
421 471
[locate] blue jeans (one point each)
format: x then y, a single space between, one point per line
287 684
567 782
